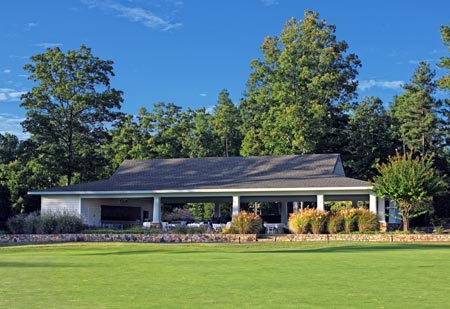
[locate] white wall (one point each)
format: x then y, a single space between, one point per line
91 207
60 203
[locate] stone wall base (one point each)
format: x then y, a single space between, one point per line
142 238
216 238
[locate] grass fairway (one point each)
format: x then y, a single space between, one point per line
261 275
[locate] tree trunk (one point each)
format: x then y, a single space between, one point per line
405 221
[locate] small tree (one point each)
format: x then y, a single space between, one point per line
411 183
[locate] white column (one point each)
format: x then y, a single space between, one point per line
320 204
236 205
373 203
284 212
295 206
156 209
301 205
381 210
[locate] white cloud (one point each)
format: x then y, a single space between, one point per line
11 123
7 71
203 94
30 26
430 60
9 94
137 14
269 2
371 83
48 45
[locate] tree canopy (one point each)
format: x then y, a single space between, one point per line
297 92
69 109
411 182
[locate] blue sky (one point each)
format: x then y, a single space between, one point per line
187 51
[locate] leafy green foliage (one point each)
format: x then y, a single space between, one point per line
369 138
68 110
297 94
409 182
226 123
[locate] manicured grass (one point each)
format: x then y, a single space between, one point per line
262 275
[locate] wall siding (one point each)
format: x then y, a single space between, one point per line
60 203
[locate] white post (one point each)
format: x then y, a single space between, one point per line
284 212
295 206
320 203
373 203
236 205
381 210
156 209
301 205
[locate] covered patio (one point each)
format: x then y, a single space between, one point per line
139 189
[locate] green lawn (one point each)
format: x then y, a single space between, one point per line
264 275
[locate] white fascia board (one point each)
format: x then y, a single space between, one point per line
150 193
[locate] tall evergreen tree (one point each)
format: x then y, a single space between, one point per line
368 138
297 94
68 110
414 112
226 122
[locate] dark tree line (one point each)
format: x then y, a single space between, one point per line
300 98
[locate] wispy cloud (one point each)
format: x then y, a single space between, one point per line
429 60
9 94
30 26
7 71
48 45
372 83
11 123
269 2
203 94
140 15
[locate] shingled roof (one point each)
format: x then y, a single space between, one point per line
293 171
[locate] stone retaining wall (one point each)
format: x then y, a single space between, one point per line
217 238
144 238
368 237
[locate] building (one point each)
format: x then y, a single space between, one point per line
138 188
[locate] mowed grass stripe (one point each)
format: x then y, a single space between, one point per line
275 275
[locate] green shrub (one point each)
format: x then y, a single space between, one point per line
335 223
366 220
298 222
51 223
15 224
247 223
67 223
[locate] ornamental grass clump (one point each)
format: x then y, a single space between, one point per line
335 223
318 220
299 222
349 219
247 223
366 220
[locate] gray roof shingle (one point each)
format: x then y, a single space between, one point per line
293 171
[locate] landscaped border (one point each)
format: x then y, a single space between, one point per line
216 238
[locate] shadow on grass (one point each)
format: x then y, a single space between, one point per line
40 265
355 249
